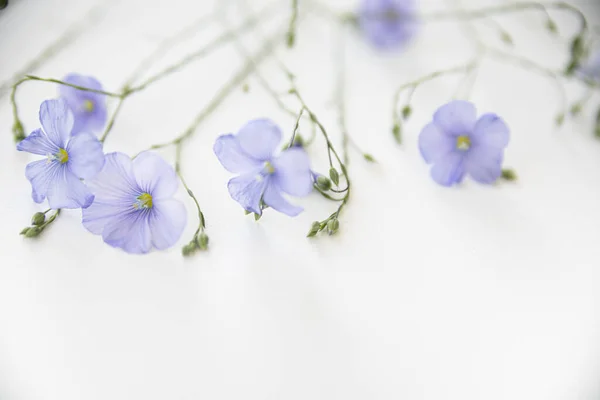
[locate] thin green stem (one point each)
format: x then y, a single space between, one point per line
291 34
111 122
248 68
201 220
296 126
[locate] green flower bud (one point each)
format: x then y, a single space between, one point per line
560 119
38 219
406 112
188 249
335 176
332 226
299 140
509 175
324 183
257 216
397 132
576 109
369 158
18 131
24 231
33 232
246 88
506 38
202 241
314 229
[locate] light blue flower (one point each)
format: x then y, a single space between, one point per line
263 175
89 108
457 143
68 159
134 208
388 23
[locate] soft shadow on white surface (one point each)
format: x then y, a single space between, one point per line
428 293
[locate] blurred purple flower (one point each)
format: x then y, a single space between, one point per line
264 176
388 23
134 208
590 70
68 159
89 108
457 143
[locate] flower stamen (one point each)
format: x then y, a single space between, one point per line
463 142
269 168
144 200
88 105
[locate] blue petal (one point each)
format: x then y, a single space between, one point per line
259 139
85 121
434 144
86 157
456 118
116 191
167 222
292 172
232 157
130 232
155 176
57 121
54 181
38 143
248 190
491 131
384 32
449 169
274 199
484 164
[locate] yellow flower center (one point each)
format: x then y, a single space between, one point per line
88 105
62 156
144 200
463 142
269 168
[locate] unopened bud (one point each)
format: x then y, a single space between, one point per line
33 232
406 111
509 175
332 226
324 183
18 131
397 132
202 241
314 229
38 219
335 176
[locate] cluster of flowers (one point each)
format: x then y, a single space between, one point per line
131 204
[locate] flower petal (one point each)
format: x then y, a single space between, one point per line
449 169
292 172
274 199
491 131
456 118
167 222
55 182
85 120
434 144
484 164
155 176
259 139
102 212
57 121
86 157
115 183
248 190
232 157
38 143
130 232
388 32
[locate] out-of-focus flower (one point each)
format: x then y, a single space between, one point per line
457 143
89 108
134 208
590 70
388 23
264 177
68 159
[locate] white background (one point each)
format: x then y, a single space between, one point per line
427 293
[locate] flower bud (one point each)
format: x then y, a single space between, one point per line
335 176
314 229
560 119
369 158
324 183
188 249
333 225
397 132
202 241
24 231
509 175
551 26
33 232
576 109
18 131
406 112
38 218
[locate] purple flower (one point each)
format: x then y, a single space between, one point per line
457 143
68 159
89 108
264 176
134 208
388 23
591 69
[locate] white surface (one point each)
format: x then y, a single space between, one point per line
427 293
